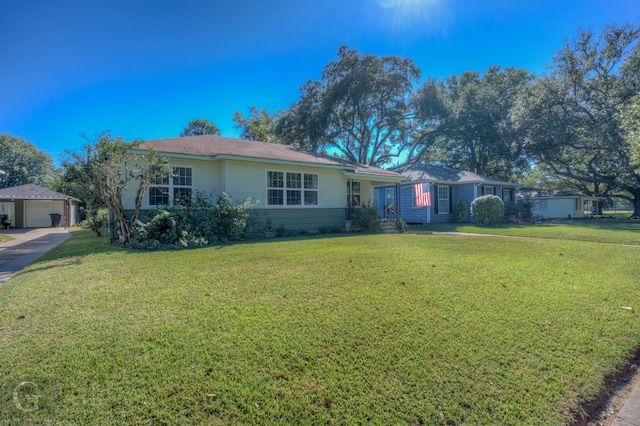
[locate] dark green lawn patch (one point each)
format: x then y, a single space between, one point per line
373 329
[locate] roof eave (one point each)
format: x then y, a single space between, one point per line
375 177
278 162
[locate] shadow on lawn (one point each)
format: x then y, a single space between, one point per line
84 243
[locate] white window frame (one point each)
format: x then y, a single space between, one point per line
489 190
443 201
507 191
306 189
173 184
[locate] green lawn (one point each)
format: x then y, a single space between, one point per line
368 329
4 238
595 230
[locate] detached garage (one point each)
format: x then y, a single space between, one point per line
32 206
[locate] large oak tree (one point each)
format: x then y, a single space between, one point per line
463 122
570 119
357 110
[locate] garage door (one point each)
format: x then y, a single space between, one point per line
37 212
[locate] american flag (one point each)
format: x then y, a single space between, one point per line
422 192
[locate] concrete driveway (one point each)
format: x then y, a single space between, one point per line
27 245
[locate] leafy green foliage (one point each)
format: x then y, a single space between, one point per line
487 210
359 108
200 126
105 168
630 115
462 212
259 126
464 122
570 119
23 163
199 223
365 219
401 225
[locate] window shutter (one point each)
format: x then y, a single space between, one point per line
450 199
435 199
482 190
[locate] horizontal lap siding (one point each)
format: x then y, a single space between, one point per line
304 218
289 218
244 179
408 213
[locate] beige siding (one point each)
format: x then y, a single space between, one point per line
245 179
206 178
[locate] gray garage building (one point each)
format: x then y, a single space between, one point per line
32 206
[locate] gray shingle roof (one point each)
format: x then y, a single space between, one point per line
442 174
221 147
32 192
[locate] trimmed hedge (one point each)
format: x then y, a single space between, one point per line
487 210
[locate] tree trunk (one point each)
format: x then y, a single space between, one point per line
123 230
636 206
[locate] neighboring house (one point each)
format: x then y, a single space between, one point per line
553 204
294 188
446 186
32 206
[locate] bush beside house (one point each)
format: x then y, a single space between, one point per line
487 210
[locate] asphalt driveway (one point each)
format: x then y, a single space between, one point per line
27 246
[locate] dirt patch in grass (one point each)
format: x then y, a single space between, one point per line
605 411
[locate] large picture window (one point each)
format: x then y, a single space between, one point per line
292 189
175 188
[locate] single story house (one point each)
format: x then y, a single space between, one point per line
32 206
293 188
446 186
555 204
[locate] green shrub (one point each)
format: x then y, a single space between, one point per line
462 212
198 223
487 210
401 225
526 213
365 219
96 220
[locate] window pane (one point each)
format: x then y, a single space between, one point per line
182 176
443 193
294 180
311 198
162 180
158 196
311 181
355 200
181 195
355 187
275 197
275 179
294 198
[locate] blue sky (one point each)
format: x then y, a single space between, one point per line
144 68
